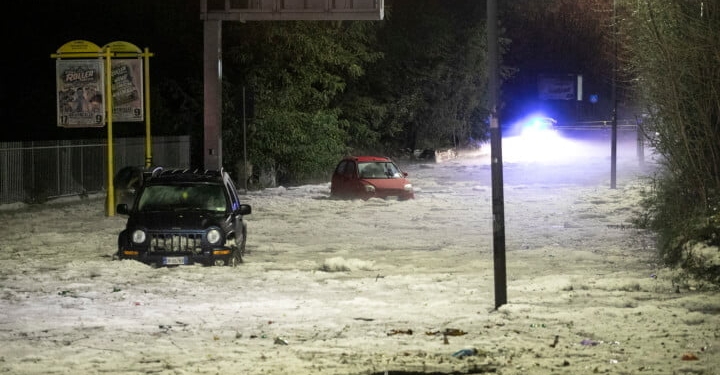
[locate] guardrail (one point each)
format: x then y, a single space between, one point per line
622 124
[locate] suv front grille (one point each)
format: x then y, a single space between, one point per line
175 242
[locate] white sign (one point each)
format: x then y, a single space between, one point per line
556 87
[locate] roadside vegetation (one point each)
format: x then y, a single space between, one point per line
321 90
672 50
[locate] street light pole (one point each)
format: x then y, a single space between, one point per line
613 141
498 200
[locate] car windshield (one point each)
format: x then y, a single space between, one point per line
183 197
379 169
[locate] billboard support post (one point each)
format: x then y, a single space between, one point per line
110 209
146 87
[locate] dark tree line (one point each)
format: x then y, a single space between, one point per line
319 89
324 89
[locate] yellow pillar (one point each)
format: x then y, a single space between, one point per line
148 139
110 209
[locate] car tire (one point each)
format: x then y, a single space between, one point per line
241 245
122 243
235 258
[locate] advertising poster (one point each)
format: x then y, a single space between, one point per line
127 89
80 90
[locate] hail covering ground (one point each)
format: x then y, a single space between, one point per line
369 287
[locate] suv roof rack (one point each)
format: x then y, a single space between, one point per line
160 173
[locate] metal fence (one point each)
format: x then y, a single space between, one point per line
38 170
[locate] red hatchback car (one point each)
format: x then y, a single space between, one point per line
366 177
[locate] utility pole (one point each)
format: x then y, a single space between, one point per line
613 140
498 200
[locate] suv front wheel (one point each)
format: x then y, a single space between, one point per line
235 257
238 252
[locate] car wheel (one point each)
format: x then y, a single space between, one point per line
241 245
235 258
122 243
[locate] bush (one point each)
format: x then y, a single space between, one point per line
672 50
688 233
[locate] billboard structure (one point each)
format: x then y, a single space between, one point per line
214 12
91 86
557 87
292 10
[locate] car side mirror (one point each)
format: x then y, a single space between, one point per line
122 209
244 209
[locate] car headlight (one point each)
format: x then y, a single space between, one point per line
408 187
369 188
138 236
214 236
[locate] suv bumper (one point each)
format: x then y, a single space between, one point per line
215 256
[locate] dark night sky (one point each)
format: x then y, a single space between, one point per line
37 30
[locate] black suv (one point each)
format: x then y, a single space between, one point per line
184 217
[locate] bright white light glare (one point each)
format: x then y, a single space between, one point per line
532 122
542 146
536 139
538 126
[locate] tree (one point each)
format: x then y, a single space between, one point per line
295 70
431 82
674 54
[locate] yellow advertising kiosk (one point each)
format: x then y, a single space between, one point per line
88 82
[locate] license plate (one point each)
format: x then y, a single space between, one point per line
170 261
